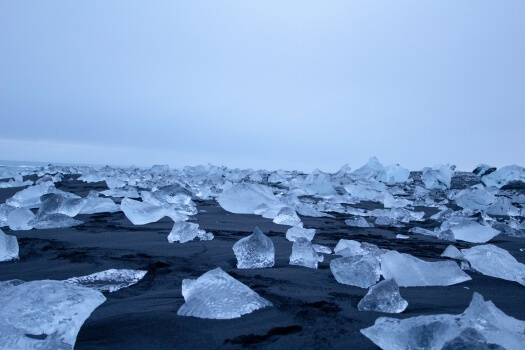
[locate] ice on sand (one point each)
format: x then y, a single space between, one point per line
5 209
287 216
244 198
409 271
54 221
95 204
453 253
217 295
109 280
496 262
358 270
8 247
476 198
383 297
437 177
298 231
53 203
30 197
255 251
357 222
44 314
187 231
19 219
303 254
503 176
434 331
140 213
468 230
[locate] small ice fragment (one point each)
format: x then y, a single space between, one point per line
303 254
409 271
255 251
298 231
322 249
54 221
383 297
184 232
287 216
109 280
400 236
19 219
358 270
357 222
8 247
217 295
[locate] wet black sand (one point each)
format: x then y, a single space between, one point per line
311 310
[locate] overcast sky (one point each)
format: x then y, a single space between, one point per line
263 84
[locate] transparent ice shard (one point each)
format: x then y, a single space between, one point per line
434 331
303 254
8 247
437 177
30 197
409 271
53 203
140 213
186 231
322 249
357 270
19 219
255 251
95 204
383 297
5 209
357 221
44 314
469 230
217 295
54 221
244 198
109 280
287 216
496 262
453 253
298 231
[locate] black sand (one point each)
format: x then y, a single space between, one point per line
311 310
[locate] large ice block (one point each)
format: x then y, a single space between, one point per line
244 198
109 280
357 270
217 295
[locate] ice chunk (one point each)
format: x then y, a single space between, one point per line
399 214
469 230
389 201
303 254
409 271
5 209
446 235
255 251
476 198
366 190
140 213
434 331
298 231
173 194
8 247
470 338
503 176
503 206
127 192
109 280
244 198
437 177
217 295
496 262
372 169
30 197
453 253
394 174
358 270
484 169
54 221
19 219
95 204
53 203
322 249
287 216
357 222
44 314
346 247
383 297
317 183
186 231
